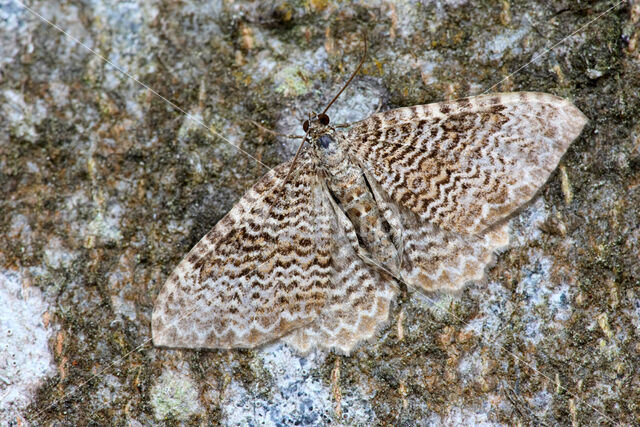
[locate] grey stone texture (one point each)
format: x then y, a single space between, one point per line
107 181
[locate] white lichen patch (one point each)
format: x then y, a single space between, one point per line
126 22
494 307
464 416
22 117
540 402
175 396
559 302
13 37
296 396
534 284
526 226
108 391
120 283
546 305
60 92
105 226
470 367
56 255
507 40
428 65
20 229
24 334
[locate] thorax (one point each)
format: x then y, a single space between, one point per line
353 195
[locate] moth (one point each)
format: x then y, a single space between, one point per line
313 253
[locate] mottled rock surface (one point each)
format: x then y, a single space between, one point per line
106 186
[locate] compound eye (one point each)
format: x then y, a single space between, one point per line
323 119
305 125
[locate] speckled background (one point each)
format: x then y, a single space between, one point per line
106 186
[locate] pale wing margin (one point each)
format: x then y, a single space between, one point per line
261 272
465 165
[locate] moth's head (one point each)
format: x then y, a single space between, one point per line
319 134
316 125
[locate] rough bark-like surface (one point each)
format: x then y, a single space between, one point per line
105 186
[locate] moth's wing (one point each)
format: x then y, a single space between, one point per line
440 260
359 302
432 258
283 261
261 272
465 165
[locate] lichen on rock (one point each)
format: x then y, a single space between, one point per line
106 186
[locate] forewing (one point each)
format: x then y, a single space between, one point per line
261 272
358 303
465 165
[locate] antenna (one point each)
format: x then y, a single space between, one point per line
364 56
295 158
